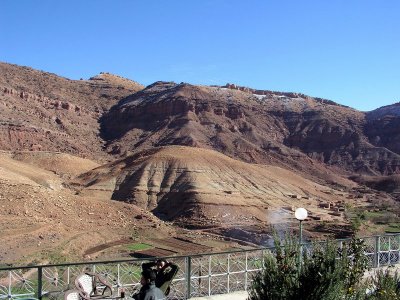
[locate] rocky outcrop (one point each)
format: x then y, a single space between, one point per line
384 132
275 93
343 144
43 100
115 80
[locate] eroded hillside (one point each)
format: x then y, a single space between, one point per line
196 187
42 111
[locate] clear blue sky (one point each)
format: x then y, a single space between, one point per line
346 51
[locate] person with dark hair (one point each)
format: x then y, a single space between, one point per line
165 272
149 291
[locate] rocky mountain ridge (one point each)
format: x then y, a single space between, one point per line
276 93
294 131
42 111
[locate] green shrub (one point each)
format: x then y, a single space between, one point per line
383 286
327 273
279 278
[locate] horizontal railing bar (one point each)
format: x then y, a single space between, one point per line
132 259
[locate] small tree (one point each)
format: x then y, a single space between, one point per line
279 278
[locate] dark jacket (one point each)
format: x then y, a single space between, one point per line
149 292
167 273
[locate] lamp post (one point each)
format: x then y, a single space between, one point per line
301 215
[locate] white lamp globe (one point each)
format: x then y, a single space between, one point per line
301 214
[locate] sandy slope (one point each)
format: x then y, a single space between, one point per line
41 220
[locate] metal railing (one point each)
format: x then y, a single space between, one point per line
198 275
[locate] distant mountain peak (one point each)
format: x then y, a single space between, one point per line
116 80
388 110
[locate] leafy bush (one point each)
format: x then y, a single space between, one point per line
383 286
327 273
279 278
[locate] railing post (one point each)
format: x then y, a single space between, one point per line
68 276
119 285
209 274
228 269
40 283
246 271
398 247
377 250
9 284
188 276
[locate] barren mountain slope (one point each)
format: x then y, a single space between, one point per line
286 129
61 164
194 187
42 111
383 129
42 221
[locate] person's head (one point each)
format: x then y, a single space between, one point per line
161 264
148 276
